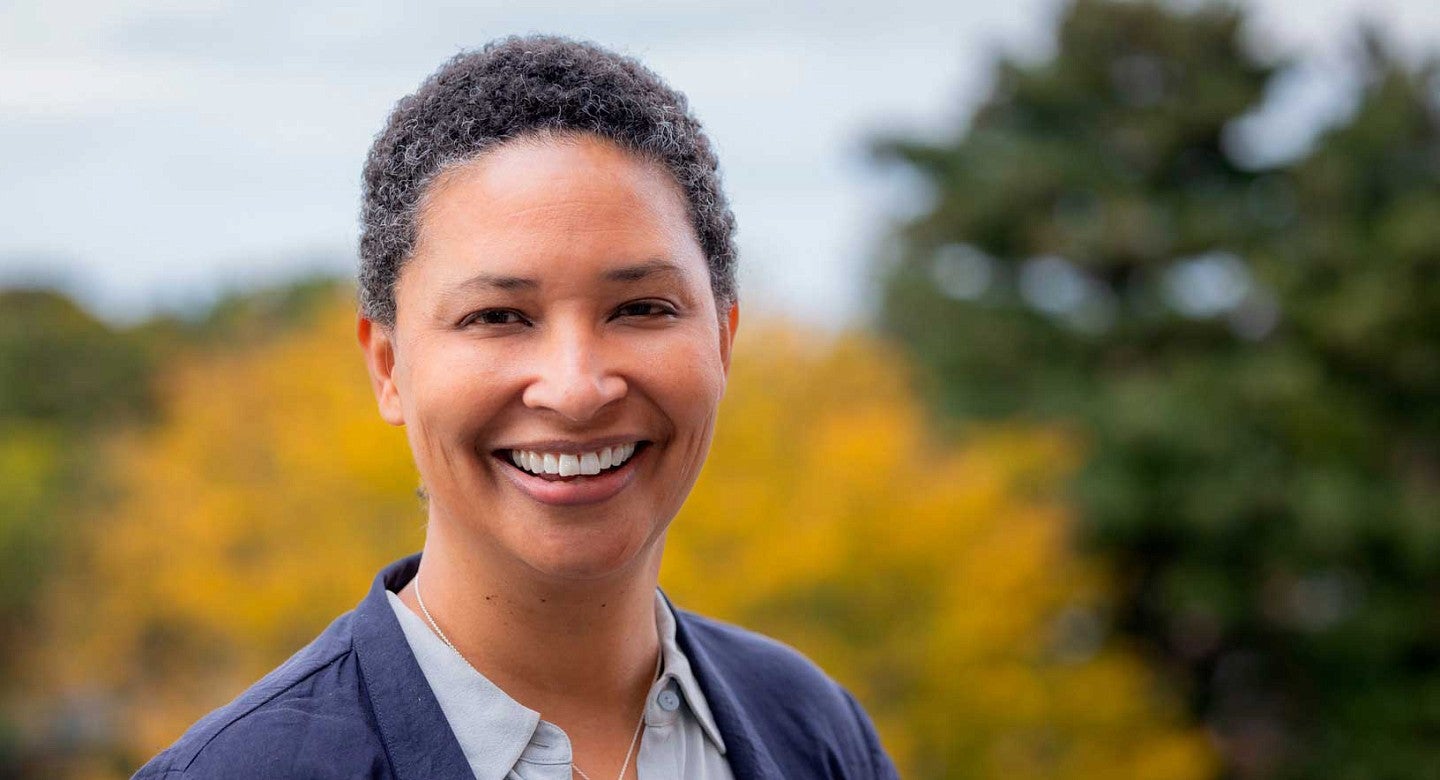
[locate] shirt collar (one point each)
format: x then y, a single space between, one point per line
489 717
677 668
493 729
418 738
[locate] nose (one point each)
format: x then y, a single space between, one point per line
575 375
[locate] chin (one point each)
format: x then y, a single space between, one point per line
590 557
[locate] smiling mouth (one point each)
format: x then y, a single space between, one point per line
571 467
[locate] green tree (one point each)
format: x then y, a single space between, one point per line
60 365
63 375
1252 355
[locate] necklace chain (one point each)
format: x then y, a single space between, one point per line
638 726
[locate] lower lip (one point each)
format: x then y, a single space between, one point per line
576 491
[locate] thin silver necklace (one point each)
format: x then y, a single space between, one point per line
638 726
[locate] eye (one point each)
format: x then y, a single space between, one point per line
494 317
646 310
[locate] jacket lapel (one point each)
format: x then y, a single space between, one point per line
747 755
417 736
412 725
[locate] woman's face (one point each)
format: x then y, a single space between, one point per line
556 317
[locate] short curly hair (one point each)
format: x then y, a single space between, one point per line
522 87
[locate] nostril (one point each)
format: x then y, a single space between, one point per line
576 398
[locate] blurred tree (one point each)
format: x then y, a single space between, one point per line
1252 355
244 520
67 381
59 365
66 376
63 375
936 581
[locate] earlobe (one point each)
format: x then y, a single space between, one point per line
728 326
379 348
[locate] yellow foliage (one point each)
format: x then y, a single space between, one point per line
29 458
937 581
934 580
250 517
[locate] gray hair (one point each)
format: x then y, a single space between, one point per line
531 87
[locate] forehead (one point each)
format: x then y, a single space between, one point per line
556 197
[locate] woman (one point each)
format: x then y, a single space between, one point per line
548 305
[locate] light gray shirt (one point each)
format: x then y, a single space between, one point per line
505 740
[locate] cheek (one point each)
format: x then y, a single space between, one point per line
691 383
454 393
691 379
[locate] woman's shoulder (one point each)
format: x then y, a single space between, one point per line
806 718
306 718
761 658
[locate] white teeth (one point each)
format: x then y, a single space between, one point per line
569 465
589 463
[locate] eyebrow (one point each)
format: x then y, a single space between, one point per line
634 273
488 281
629 273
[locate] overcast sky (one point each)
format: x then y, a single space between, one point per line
153 153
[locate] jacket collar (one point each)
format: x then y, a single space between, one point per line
412 725
744 750
418 737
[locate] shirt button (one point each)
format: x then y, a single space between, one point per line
669 700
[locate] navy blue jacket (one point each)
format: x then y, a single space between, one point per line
354 704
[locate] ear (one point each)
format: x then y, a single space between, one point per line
378 344
728 325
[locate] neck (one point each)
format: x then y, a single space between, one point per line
569 650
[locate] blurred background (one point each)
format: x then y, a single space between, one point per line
1085 420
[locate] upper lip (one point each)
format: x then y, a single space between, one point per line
570 446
